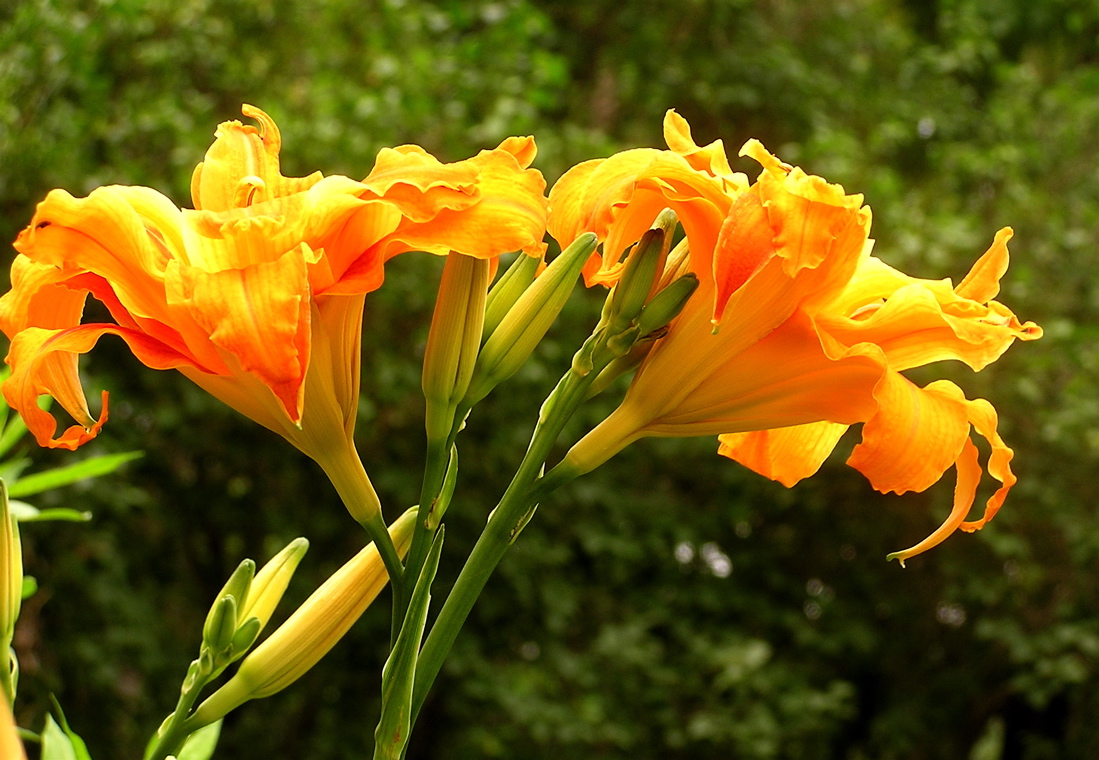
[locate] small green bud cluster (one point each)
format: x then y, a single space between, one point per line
653 289
243 607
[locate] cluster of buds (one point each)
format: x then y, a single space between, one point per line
653 289
243 607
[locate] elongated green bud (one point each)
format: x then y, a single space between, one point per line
633 287
244 638
507 290
454 339
221 625
527 322
270 583
314 628
667 304
236 588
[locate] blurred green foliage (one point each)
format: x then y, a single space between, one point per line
672 604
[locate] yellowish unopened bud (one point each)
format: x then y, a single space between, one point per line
454 339
11 574
11 594
270 583
11 748
314 628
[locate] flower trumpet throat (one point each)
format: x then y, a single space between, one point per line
796 332
310 632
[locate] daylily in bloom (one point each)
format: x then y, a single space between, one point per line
257 293
796 331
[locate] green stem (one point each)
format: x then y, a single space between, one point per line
7 682
509 516
438 457
175 733
375 527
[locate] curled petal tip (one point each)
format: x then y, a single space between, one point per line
754 149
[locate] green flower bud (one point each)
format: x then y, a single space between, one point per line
667 304
314 628
244 638
237 587
644 264
527 322
221 625
507 290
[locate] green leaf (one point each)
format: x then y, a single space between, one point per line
12 434
24 512
78 745
13 468
61 743
201 744
62 476
30 585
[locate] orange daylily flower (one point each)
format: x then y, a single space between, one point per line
257 293
797 332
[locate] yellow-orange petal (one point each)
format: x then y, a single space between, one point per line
509 214
39 297
710 159
259 314
244 157
965 491
808 214
102 234
913 327
419 184
523 148
786 454
982 284
789 378
43 362
915 436
744 245
983 418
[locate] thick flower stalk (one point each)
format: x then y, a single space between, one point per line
256 294
796 331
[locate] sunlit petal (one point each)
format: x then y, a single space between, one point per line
787 454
